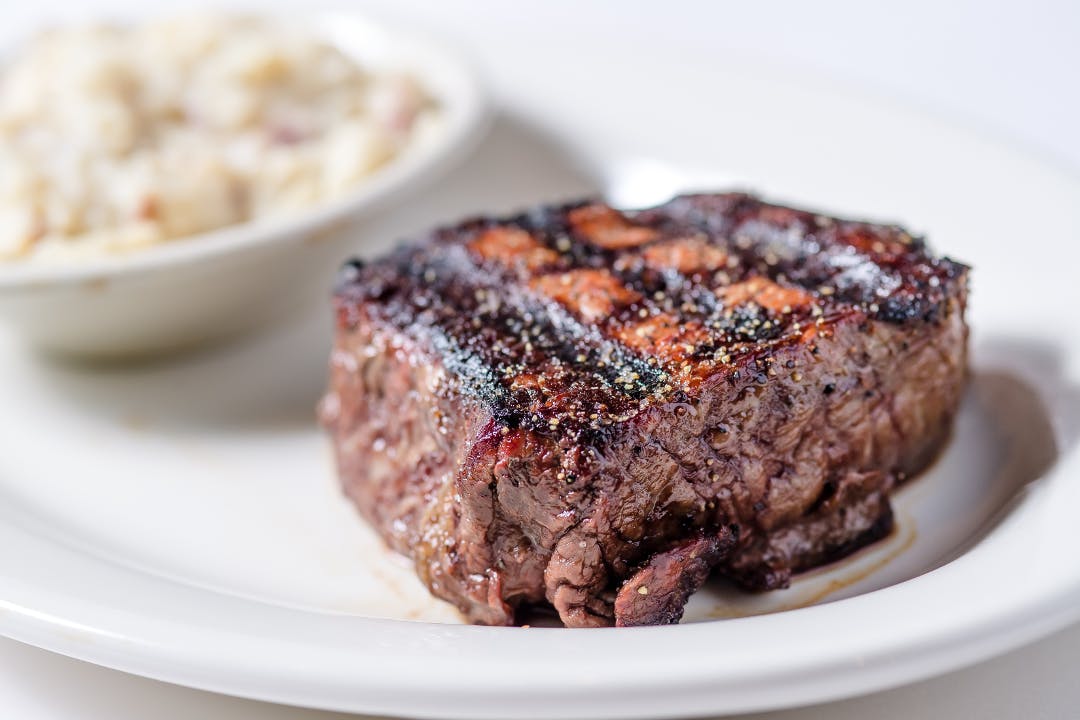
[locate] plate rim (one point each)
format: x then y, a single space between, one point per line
178 652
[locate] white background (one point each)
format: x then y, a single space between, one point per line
1005 69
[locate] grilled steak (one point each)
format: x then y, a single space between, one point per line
594 409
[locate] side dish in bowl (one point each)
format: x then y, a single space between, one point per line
114 138
142 166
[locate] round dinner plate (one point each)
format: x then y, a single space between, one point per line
181 520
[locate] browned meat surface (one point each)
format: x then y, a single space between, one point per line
656 594
566 405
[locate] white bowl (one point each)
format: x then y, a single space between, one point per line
215 284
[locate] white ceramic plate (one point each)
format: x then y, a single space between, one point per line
182 521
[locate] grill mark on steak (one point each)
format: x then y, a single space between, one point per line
581 422
498 336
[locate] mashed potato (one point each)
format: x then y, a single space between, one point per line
117 138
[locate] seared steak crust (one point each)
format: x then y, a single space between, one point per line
538 408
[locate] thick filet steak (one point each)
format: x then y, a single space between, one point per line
594 409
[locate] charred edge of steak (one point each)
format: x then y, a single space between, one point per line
657 593
555 406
